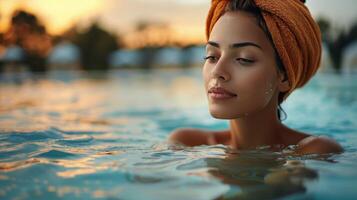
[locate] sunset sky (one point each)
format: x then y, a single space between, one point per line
185 17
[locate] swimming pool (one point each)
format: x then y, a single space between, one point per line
74 135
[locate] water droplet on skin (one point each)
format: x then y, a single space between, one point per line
270 89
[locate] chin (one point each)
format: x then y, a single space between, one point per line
220 114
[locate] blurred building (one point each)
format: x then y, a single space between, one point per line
124 58
64 55
158 57
193 55
168 57
12 59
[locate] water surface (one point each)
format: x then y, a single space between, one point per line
73 135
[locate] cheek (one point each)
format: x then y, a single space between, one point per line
257 83
256 88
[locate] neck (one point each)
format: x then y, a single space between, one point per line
259 129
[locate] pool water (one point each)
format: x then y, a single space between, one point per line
75 135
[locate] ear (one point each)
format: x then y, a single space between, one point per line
283 84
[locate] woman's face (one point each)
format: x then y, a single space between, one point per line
240 71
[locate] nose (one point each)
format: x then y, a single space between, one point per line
220 71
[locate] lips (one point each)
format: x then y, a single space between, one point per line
220 93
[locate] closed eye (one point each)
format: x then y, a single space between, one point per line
245 61
210 58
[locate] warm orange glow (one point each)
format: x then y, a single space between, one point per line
56 15
191 34
186 17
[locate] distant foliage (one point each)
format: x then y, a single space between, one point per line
30 35
337 43
96 45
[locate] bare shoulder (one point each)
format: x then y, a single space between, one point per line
196 137
318 145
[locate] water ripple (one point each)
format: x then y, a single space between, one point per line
55 154
82 140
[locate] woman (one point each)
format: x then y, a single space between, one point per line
258 52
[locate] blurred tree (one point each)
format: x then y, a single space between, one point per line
338 43
336 48
96 45
30 35
325 27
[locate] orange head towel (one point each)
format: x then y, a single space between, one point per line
295 35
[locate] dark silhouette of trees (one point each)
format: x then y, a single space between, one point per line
338 43
96 45
29 34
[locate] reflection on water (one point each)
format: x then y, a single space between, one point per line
260 175
103 137
254 174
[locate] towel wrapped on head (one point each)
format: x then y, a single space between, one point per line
296 36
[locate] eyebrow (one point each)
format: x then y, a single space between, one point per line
235 45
